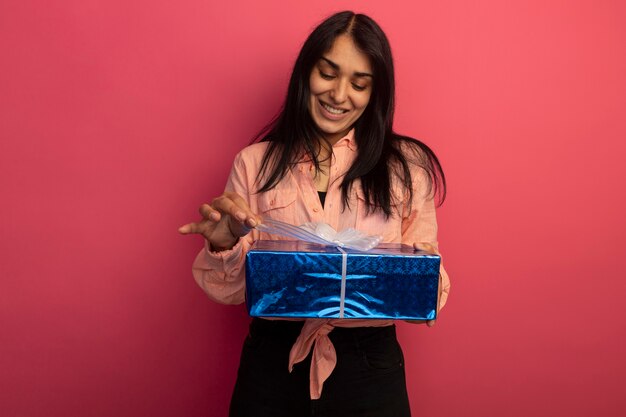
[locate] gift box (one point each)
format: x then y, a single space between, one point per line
298 279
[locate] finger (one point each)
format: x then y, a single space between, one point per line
226 206
252 222
236 206
416 321
251 218
429 323
187 229
203 228
183 230
209 213
426 247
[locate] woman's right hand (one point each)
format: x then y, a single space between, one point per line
224 221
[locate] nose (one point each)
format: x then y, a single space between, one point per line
339 92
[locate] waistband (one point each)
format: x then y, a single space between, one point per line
289 330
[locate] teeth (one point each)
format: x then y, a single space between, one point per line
332 109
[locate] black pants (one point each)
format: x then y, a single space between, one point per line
368 380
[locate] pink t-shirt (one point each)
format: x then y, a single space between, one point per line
295 200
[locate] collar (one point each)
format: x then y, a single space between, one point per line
347 140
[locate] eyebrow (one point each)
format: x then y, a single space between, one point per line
336 67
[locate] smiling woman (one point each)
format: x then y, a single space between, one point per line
340 88
330 156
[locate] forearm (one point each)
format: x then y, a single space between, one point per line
221 274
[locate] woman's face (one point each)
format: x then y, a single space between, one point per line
341 86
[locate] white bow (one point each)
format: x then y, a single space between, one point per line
322 233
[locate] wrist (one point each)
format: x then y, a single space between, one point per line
222 246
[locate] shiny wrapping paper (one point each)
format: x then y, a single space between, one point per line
297 279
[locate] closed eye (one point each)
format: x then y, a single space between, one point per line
326 76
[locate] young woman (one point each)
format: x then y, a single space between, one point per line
330 156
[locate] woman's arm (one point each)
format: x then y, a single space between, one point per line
226 226
419 228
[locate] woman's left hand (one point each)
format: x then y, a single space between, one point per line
426 247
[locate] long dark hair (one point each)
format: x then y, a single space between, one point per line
381 152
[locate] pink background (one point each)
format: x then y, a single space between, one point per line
118 118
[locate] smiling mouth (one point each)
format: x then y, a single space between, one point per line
332 110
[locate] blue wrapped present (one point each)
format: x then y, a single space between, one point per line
298 279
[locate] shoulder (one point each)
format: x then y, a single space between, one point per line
413 160
251 156
413 150
252 152
412 157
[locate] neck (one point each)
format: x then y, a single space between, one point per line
324 154
335 137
